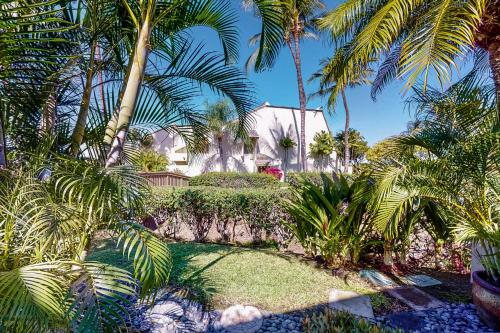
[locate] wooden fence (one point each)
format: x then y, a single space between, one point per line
165 178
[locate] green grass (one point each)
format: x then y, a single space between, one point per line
220 276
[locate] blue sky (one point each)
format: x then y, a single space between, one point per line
278 86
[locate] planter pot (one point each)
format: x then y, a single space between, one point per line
486 297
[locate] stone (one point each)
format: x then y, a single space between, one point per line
378 279
420 280
414 298
241 319
351 302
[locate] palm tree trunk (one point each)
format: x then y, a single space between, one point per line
132 90
3 153
388 251
111 127
221 154
494 55
100 81
49 116
79 130
347 152
302 96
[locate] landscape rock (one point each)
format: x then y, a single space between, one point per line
351 302
241 319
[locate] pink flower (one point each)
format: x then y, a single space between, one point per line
276 172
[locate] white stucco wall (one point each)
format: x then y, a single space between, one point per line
270 123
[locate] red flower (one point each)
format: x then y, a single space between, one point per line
276 172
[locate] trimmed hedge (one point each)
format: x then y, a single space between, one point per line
235 180
260 210
294 178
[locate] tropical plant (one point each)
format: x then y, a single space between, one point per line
224 131
47 223
284 24
31 35
286 143
161 28
275 172
328 86
357 145
454 168
324 222
151 161
411 38
322 147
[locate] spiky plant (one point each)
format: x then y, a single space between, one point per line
454 164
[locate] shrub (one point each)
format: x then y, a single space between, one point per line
235 180
276 172
261 210
294 179
328 222
329 321
151 161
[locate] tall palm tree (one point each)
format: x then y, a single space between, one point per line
416 37
331 83
155 22
285 24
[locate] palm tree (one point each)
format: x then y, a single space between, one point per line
286 143
322 147
357 145
451 162
285 23
156 21
416 37
222 125
331 85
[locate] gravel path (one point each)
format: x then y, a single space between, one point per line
172 314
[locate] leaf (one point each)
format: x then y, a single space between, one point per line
151 257
99 297
32 297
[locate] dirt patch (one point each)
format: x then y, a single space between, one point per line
455 287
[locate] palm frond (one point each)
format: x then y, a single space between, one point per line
151 257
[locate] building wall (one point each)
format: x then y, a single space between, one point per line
270 124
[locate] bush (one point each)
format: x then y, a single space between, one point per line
235 180
327 222
151 161
199 207
329 321
276 172
294 179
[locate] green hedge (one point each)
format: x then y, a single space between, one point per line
294 178
199 207
235 180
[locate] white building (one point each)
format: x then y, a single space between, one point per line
269 125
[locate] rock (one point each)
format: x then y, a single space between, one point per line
241 319
351 302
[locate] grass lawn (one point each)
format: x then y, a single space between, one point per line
220 276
